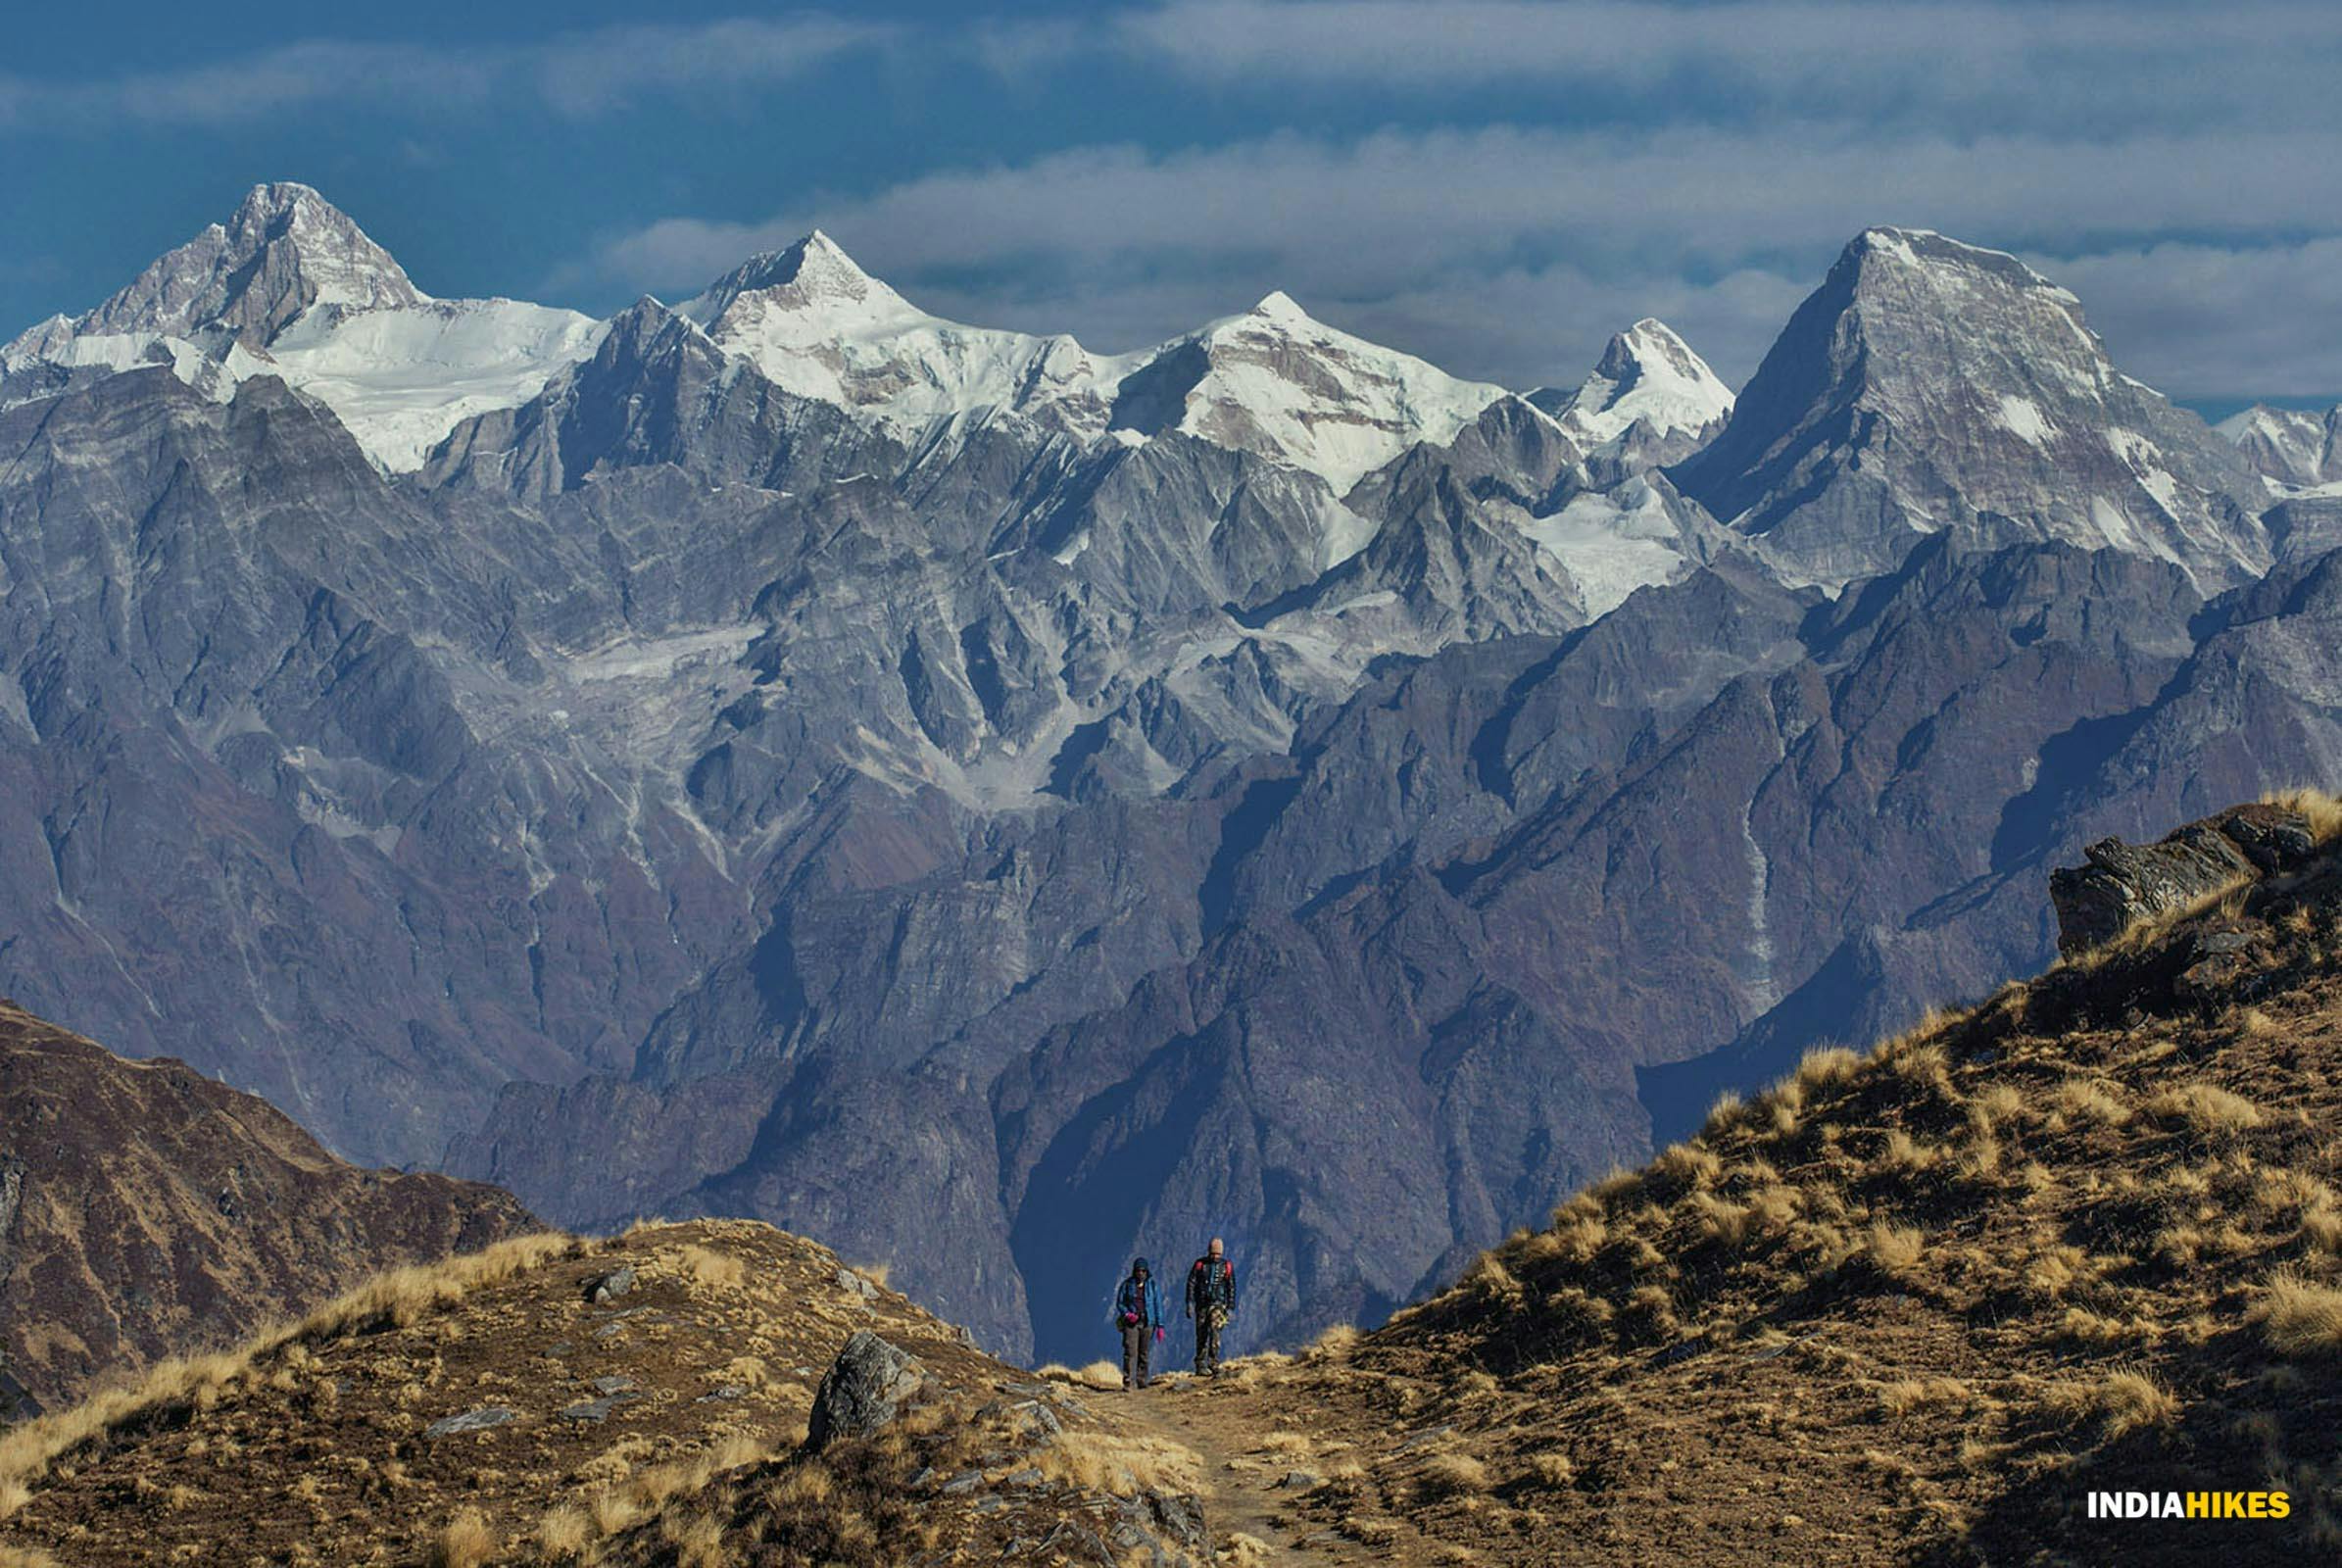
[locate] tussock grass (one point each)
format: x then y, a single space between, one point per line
2323 810
565 1531
1106 1461
2125 1400
1905 1394
1247 1551
2092 1101
709 1269
2207 1110
1552 1469
1102 1375
2300 1318
1894 1248
1335 1344
464 1542
1448 1475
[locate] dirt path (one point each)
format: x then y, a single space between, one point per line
1256 1465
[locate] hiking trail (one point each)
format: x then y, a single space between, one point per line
1259 1459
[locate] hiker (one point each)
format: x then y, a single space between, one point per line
1211 1302
1138 1314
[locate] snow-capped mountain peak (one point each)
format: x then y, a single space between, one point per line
1279 382
813 278
2289 446
813 321
285 249
1278 306
1648 376
291 286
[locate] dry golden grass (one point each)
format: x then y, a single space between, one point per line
1907 1155
1905 1394
1335 1344
2300 1318
1824 1065
1247 1551
613 1512
1102 1375
1288 1444
2096 1100
875 1273
26 1557
1106 1461
398 1297
2123 1401
2207 1110
1448 1475
2323 810
464 1542
401 1296
1552 1469
710 1269
1687 1165
1894 1248
565 1531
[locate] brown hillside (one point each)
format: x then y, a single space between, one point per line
146 1210
500 1408
1907 1307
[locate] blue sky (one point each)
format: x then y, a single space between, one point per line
1495 184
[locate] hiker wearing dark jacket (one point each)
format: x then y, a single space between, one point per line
1211 1302
1138 1314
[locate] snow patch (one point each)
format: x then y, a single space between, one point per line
2023 417
1612 543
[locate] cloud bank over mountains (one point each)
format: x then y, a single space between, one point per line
1492 184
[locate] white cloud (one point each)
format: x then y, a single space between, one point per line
573 72
2210 321
2265 61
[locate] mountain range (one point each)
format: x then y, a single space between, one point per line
995 806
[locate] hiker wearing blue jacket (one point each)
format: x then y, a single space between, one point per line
1138 1314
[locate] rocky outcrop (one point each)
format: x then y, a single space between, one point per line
2126 883
864 1390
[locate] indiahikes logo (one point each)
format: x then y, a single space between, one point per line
2190 1506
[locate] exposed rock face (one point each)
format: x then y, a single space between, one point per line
865 1389
285 249
1930 385
2124 883
2292 446
146 1210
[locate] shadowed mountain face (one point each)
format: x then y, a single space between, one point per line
147 1210
799 759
